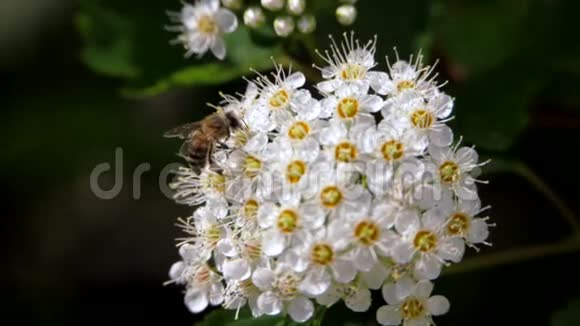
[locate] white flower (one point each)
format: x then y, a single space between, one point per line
461 220
406 76
452 167
281 292
424 239
350 105
322 258
204 287
193 189
425 118
348 65
355 295
278 99
202 26
411 302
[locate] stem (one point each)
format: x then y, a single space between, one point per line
525 172
512 256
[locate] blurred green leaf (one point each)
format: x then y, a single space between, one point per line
492 110
479 35
131 43
569 316
108 49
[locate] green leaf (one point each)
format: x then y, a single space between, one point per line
109 47
479 35
568 316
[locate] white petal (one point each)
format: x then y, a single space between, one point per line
420 321
478 231
407 221
372 103
438 305
423 289
196 300
404 287
328 86
267 213
216 294
227 20
300 309
403 252
360 301
380 82
256 143
263 278
343 271
428 267
176 271
237 269
364 260
315 283
269 303
452 249
389 292
227 247
295 80
375 278
466 156
212 5
433 219
330 297
313 215
218 48
389 315
273 243
441 136
470 207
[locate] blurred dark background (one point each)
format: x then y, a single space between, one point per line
84 78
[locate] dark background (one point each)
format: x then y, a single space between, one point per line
74 78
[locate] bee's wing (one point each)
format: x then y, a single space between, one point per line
182 131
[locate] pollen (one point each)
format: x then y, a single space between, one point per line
279 99
322 254
449 171
422 119
412 308
299 130
250 209
212 236
216 181
352 71
392 150
366 232
347 108
207 25
425 241
458 224
288 221
405 84
345 152
330 196
295 171
252 166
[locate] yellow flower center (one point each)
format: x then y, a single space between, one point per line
240 137
412 308
449 171
212 235
250 209
207 25
299 130
347 108
295 171
366 232
287 221
458 224
216 181
405 84
425 241
322 254
352 71
252 166
392 150
345 152
330 196
279 99
287 286
422 119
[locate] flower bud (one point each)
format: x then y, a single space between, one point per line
346 14
284 26
254 17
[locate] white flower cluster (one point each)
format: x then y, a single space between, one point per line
316 201
201 26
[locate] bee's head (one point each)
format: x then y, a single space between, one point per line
233 120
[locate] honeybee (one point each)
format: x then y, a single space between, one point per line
202 136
